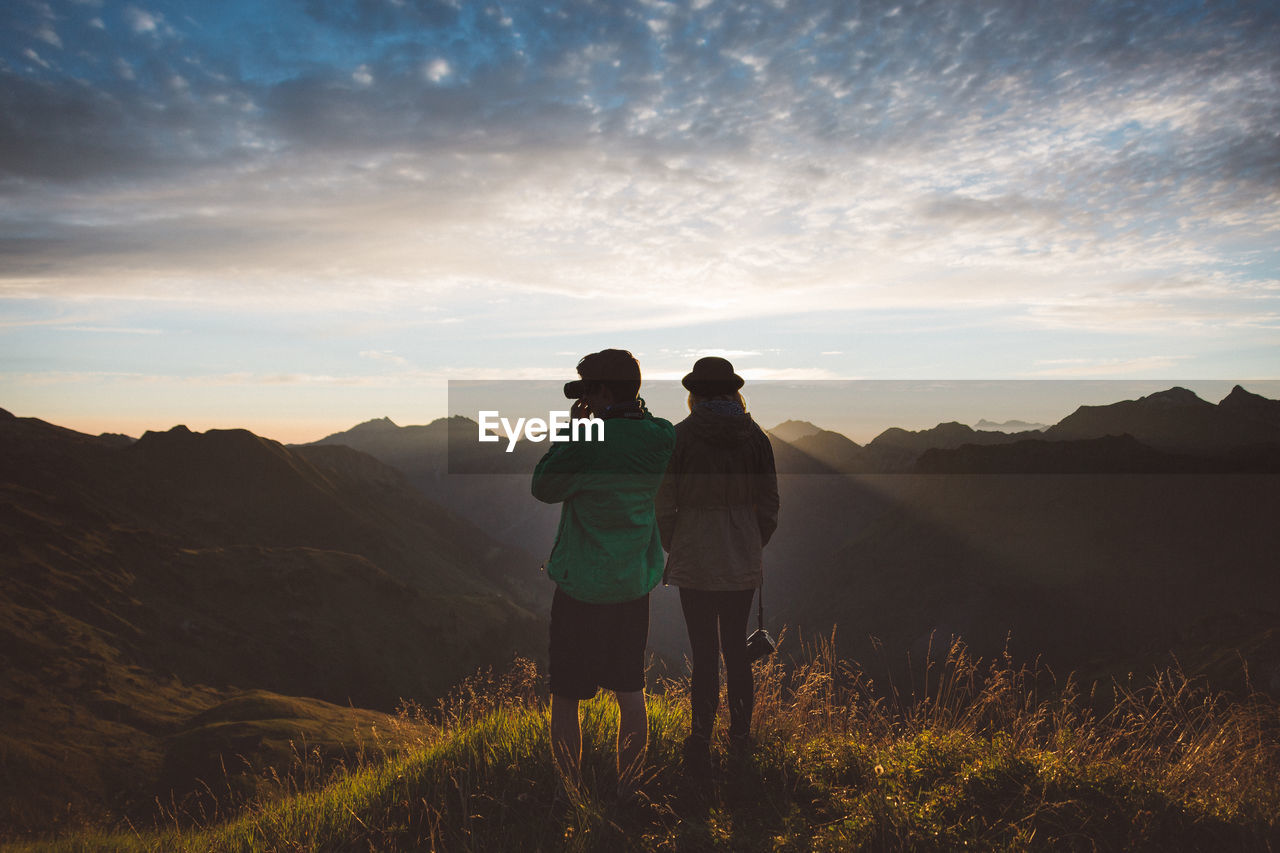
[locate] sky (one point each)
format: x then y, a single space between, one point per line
296 216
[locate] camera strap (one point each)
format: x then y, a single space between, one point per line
760 607
633 409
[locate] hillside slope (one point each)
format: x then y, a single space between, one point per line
480 481
1098 573
142 584
988 758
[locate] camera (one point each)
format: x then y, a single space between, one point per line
576 389
760 645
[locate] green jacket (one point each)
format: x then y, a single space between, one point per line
607 547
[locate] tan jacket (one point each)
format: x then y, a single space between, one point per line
718 503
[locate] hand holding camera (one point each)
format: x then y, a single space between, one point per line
577 391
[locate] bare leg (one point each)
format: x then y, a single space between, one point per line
633 736
566 741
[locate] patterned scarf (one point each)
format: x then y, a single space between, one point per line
721 407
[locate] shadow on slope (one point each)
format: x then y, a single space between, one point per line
1089 572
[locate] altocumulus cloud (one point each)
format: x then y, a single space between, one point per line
766 157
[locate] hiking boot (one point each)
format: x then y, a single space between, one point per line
697 754
741 745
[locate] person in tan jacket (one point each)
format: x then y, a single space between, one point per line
717 508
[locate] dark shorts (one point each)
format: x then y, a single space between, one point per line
597 645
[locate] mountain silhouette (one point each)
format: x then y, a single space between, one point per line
1102 572
897 449
791 431
1177 420
480 481
1172 431
144 583
1007 426
832 449
1252 407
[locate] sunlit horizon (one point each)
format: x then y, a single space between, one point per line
859 410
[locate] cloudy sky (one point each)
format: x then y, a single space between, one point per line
294 215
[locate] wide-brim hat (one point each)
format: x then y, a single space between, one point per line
712 375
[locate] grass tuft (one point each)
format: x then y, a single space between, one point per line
982 756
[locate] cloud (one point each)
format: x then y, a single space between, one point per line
436 70
142 21
36 58
655 165
49 35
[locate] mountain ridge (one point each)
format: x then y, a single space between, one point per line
1173 420
1007 426
149 582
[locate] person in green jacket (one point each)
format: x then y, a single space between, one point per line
606 558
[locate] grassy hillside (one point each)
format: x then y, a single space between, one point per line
986 758
146 585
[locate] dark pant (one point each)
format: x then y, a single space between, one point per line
597 645
717 621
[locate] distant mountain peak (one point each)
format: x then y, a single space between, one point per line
1240 397
1175 396
233 446
1252 406
182 435
1008 426
178 431
1177 420
453 420
383 423
793 430
377 426
948 434
953 427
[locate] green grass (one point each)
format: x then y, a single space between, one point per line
986 758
